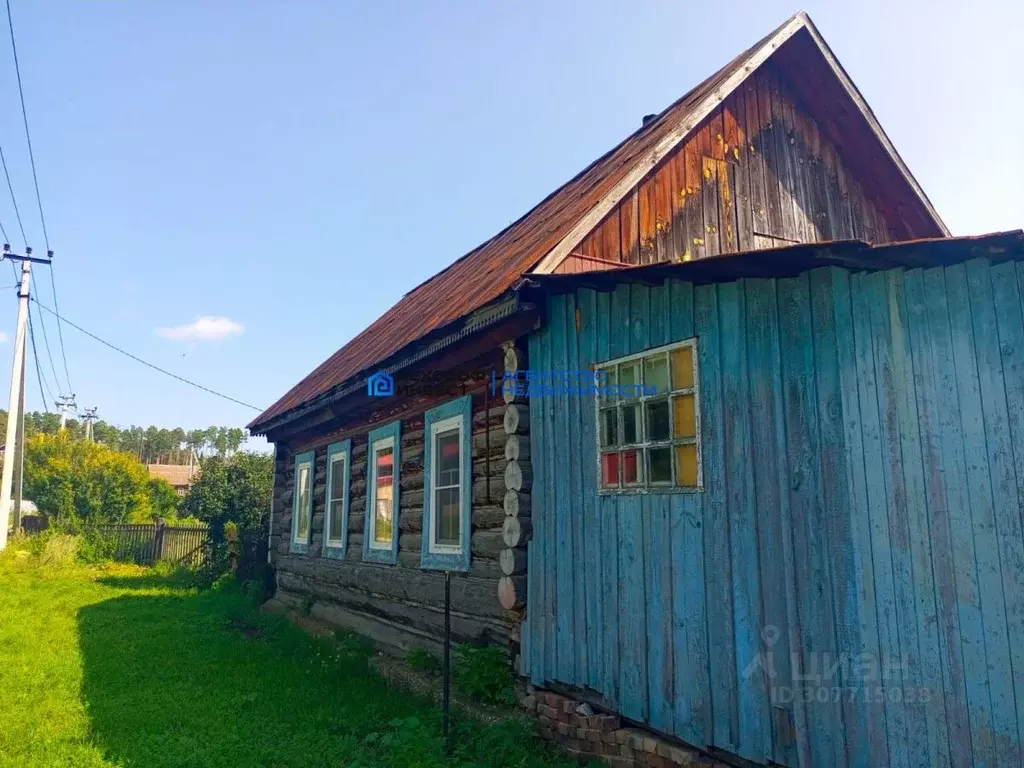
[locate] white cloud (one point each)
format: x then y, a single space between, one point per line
203 329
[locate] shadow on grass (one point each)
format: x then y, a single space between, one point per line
202 679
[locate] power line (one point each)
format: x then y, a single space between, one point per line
39 198
39 371
28 136
144 362
46 343
10 187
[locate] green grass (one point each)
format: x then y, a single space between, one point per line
125 666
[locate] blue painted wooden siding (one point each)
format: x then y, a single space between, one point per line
858 540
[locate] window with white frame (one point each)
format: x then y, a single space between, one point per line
446 485
303 498
336 508
382 488
448 461
648 416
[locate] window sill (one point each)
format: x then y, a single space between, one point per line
299 548
646 491
334 551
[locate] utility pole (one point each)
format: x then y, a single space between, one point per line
65 404
90 417
14 443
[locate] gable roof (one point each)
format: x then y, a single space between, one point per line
549 231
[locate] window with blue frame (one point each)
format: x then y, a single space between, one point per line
336 506
302 502
448 482
380 537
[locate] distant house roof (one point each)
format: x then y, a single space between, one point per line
177 475
558 223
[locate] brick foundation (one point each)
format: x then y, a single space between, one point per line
561 720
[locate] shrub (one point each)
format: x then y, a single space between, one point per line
484 673
421 659
60 550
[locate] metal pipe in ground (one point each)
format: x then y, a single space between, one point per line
447 670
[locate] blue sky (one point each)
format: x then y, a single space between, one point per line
294 167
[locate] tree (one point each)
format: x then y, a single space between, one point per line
236 489
163 497
79 480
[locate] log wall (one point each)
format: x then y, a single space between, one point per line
401 606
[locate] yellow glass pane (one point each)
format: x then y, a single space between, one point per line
686 465
682 368
684 416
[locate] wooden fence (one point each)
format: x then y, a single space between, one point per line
146 544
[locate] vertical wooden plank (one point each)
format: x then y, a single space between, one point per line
718 563
830 534
658 560
1010 324
629 223
818 179
691 684
610 315
551 551
803 227
943 456
979 489
784 164
725 183
611 233
648 219
902 426
1005 560
865 725
802 449
769 482
663 212
754 713
658 577
948 691
694 207
537 605
591 521
712 206
736 132
891 345
755 164
574 480
681 246
771 158
632 606
876 506
562 503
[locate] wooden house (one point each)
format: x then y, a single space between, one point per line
638 572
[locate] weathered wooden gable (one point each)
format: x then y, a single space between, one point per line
757 173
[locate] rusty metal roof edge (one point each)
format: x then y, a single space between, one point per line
838 253
483 318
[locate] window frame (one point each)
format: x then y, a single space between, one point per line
643 445
301 545
335 548
436 556
391 436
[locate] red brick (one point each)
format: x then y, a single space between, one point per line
576 721
608 737
626 751
568 706
562 728
607 722
657 762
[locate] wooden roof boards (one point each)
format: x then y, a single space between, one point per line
540 239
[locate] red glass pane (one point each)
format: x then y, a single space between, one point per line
610 469
629 467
